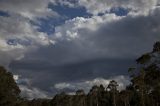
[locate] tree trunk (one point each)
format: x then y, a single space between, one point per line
125 104
143 104
114 99
157 104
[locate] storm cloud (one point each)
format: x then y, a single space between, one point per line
81 49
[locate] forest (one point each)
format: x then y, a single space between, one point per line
144 88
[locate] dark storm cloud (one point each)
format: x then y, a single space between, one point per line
110 50
97 46
44 76
130 36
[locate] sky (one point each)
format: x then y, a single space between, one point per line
65 45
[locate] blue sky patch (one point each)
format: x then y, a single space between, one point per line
47 25
17 41
69 12
5 14
119 11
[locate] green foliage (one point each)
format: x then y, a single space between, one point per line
9 91
156 47
144 59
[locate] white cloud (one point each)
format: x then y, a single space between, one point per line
29 8
100 32
15 27
64 85
96 6
17 37
32 92
87 85
72 28
81 39
16 77
69 3
27 90
81 28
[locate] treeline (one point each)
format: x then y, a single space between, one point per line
144 89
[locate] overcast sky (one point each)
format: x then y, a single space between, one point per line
62 45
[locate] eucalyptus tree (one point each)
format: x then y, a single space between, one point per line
112 86
9 91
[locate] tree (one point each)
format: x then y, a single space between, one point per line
139 78
93 96
146 79
125 97
156 47
9 91
112 86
